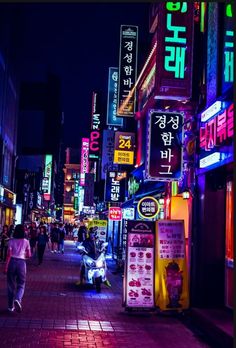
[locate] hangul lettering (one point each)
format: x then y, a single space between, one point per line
115 189
128 69
175 122
177 58
115 183
168 169
114 197
129 45
176 30
128 82
166 154
128 57
229 66
210 134
161 120
112 174
221 127
176 6
202 137
230 121
166 137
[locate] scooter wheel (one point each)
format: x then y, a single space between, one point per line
98 284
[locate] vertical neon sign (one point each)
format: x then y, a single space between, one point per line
174 51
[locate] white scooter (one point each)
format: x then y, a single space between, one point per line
95 269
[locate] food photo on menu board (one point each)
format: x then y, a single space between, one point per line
140 270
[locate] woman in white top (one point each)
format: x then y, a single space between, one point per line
18 251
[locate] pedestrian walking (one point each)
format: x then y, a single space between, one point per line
54 234
15 268
4 242
82 233
41 242
61 238
33 232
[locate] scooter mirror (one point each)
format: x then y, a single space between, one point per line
105 244
81 248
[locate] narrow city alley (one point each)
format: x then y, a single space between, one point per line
56 313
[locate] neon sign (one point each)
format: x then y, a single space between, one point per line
174 50
164 146
218 129
228 48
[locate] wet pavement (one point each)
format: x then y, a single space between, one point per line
57 313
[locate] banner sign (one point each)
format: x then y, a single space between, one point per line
108 152
174 50
216 135
100 227
95 135
124 148
114 187
89 190
171 276
228 48
84 162
115 214
148 207
48 175
127 70
112 99
140 256
164 146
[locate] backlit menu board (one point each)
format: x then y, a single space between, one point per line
139 275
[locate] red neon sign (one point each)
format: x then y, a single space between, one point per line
218 129
115 214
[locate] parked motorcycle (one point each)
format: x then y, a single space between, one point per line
95 269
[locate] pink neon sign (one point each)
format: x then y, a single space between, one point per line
84 163
218 129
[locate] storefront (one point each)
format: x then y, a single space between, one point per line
213 249
7 206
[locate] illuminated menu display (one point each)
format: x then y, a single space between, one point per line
139 278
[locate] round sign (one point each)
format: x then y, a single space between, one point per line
148 207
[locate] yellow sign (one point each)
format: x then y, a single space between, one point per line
123 157
171 278
148 207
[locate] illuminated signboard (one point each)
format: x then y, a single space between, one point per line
89 189
84 163
218 129
127 70
115 214
164 146
112 99
108 152
48 175
174 50
217 134
228 48
148 207
114 188
124 148
95 134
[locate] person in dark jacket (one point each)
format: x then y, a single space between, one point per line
61 238
42 241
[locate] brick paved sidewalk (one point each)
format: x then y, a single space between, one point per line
56 313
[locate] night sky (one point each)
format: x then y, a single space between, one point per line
78 42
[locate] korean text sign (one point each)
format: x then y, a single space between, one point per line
112 99
228 48
139 275
84 166
48 174
164 146
174 50
127 70
124 148
108 152
171 279
115 213
114 188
